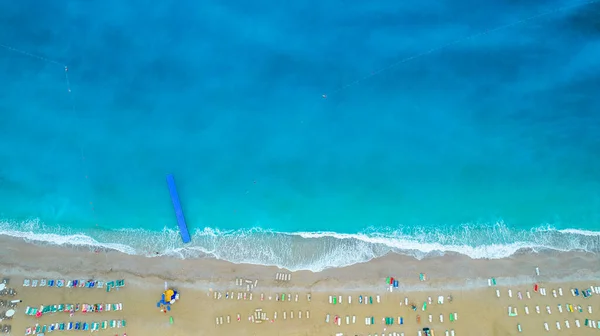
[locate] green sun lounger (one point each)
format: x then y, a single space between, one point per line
61 307
110 285
124 323
95 326
113 323
104 324
54 308
120 283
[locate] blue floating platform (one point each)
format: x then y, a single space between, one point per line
183 230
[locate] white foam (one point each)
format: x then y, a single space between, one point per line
323 249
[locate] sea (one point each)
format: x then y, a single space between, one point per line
305 134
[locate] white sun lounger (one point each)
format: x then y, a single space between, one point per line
291 314
299 314
296 298
347 319
327 318
349 298
510 293
557 325
353 319
577 324
26 283
567 324
34 283
546 326
560 292
307 314
216 320
284 316
379 299
340 299
330 299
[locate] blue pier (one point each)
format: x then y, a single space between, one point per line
183 230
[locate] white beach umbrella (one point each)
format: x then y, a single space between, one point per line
10 313
2 286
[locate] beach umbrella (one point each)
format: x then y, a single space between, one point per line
2 286
10 313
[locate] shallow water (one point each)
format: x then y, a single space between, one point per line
482 147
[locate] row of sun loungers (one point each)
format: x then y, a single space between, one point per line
249 296
512 311
283 276
70 308
585 293
8 292
587 323
249 284
91 326
370 320
73 283
9 303
419 333
259 316
366 300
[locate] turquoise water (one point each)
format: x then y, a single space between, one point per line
435 134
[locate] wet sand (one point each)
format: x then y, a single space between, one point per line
479 310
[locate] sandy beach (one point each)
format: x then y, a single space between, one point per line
209 291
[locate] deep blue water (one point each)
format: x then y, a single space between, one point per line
446 125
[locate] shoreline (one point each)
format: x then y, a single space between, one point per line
313 251
451 266
201 280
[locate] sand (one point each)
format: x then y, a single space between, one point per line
479 310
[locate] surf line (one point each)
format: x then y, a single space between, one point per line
458 41
71 98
